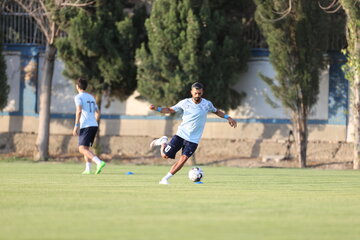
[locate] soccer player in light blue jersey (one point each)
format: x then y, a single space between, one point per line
189 132
86 125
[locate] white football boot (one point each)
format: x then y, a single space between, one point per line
159 141
164 181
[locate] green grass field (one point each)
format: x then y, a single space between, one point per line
54 201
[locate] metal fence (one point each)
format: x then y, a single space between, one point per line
18 27
252 35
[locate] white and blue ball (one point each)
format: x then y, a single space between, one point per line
196 174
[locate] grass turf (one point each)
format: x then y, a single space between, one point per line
54 201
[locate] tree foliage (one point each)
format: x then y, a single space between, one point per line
222 55
296 36
190 41
352 68
100 46
4 87
352 9
41 11
296 45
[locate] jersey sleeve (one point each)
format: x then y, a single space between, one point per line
78 101
211 107
178 107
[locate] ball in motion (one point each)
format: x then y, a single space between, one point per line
196 174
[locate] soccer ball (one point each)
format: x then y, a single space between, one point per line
196 174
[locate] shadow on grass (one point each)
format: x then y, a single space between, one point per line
331 164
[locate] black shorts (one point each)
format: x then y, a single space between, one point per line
176 143
87 136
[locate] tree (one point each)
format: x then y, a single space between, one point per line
4 87
352 10
43 12
190 41
39 11
222 54
296 42
352 68
168 63
108 62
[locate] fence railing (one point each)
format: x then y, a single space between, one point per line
18 27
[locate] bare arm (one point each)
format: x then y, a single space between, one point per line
77 120
231 121
97 115
162 110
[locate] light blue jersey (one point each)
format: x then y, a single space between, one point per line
88 105
194 118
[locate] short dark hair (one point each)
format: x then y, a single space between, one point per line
197 85
82 83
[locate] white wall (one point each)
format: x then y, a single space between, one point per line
63 92
13 71
255 105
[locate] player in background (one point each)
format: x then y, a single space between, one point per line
86 125
189 132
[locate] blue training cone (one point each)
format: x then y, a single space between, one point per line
198 182
129 173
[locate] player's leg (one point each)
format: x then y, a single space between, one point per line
188 150
85 150
162 148
87 166
162 141
174 169
169 150
86 139
179 164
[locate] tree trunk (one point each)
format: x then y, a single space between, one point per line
42 141
300 134
97 146
356 93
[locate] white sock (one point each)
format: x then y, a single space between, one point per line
96 160
168 176
87 166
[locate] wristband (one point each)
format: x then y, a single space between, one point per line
159 109
76 124
226 116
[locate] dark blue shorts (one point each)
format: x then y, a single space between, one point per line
87 136
177 143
